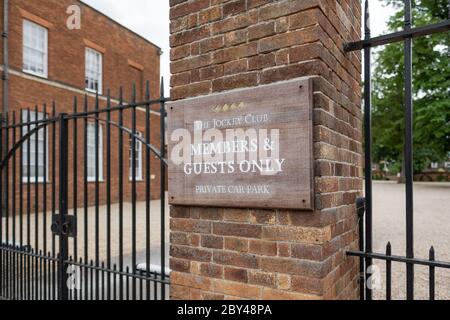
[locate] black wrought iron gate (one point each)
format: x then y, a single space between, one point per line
83 198
364 205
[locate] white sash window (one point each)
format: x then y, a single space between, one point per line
138 159
42 149
93 71
35 49
91 152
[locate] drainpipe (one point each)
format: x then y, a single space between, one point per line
5 107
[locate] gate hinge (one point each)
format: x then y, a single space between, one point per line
67 228
361 206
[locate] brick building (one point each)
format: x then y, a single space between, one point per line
51 59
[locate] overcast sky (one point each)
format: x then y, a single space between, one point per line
150 18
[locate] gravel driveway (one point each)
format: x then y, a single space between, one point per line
431 228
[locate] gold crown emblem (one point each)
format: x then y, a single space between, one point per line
228 107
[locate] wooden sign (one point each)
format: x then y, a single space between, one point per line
250 148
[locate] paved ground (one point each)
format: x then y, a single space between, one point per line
155 239
431 228
154 228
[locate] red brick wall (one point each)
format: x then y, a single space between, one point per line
219 45
67 47
22 89
66 72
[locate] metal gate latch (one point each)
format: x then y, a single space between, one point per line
67 228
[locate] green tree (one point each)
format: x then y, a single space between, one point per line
431 89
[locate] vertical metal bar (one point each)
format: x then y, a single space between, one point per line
3 289
121 192
17 280
115 282
163 189
36 198
127 283
63 205
368 145
30 277
47 276
133 193
360 205
86 199
141 291
432 275
82 267
13 183
2 245
21 283
91 280
28 204
147 189
6 204
97 194
36 183
2 269
75 178
71 291
50 276
21 182
108 193
102 281
408 155
6 215
53 180
2 146
388 272
7 211
54 165
13 208
155 286
44 203
41 283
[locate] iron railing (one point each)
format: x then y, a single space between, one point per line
365 222
67 232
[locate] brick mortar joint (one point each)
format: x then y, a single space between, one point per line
331 99
321 126
339 134
252 223
319 6
341 149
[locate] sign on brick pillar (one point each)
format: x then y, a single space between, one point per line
267 249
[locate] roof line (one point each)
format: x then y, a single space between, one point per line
119 24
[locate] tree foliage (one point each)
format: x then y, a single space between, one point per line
431 89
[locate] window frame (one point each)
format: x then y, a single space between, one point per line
45 73
100 81
139 169
25 148
100 160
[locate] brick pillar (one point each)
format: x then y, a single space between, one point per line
220 45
